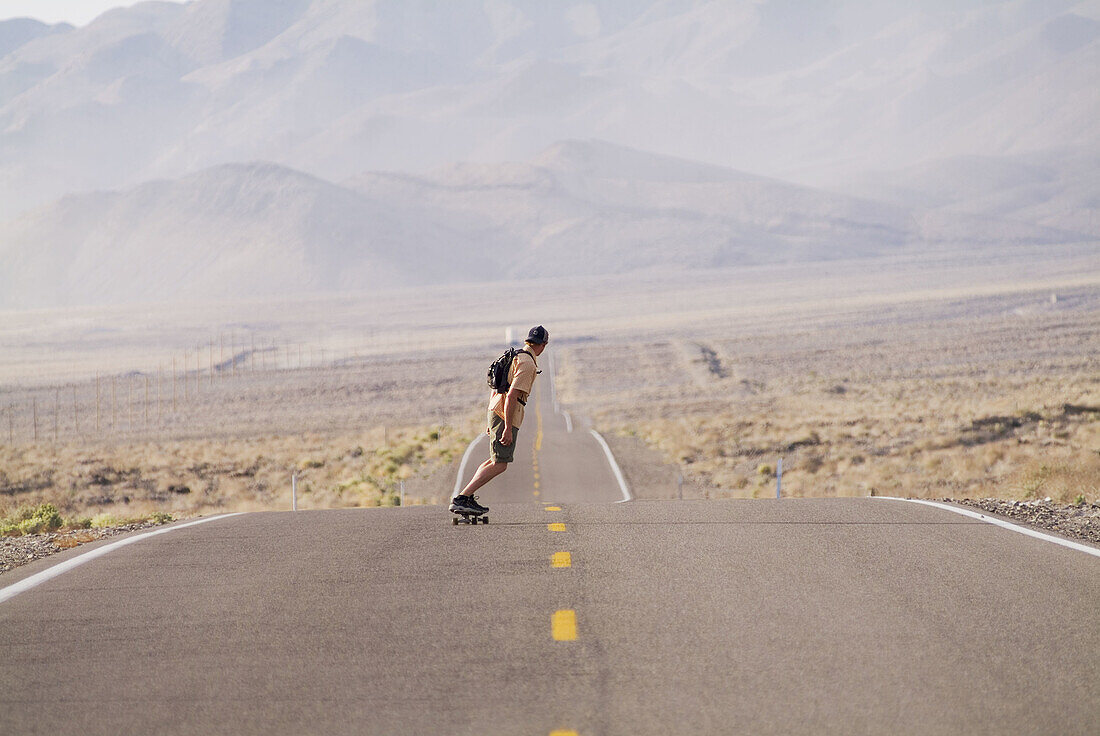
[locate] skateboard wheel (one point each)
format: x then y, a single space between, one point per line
454 521
484 519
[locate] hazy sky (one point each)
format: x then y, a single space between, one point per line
77 12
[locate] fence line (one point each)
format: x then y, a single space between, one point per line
28 411
128 410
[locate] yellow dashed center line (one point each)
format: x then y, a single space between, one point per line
538 432
561 559
563 625
563 733
553 508
556 527
538 444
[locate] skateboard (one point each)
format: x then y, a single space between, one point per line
468 518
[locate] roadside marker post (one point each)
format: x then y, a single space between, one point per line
294 491
779 478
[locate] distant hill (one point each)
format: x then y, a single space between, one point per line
1053 188
20 31
227 232
579 208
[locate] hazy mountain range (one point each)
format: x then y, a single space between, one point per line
234 137
580 208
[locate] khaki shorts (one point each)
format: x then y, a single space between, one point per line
501 453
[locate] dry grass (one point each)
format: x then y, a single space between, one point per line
353 432
934 377
188 477
942 401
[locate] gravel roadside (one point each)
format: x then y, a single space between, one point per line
1070 520
16 551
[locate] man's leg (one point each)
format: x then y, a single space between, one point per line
499 457
485 473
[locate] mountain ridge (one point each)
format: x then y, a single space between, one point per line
335 87
262 229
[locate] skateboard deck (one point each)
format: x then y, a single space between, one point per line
468 518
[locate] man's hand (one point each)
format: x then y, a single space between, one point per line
506 436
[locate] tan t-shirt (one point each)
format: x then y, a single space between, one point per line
522 377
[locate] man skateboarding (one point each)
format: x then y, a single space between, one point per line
505 416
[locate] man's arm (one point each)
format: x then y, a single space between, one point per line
510 400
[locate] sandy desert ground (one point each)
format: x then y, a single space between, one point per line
932 376
995 396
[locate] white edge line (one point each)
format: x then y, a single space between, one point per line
553 390
462 465
614 466
568 422
62 567
1014 527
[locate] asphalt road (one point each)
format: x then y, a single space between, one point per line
556 459
846 616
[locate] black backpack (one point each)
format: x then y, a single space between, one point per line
498 371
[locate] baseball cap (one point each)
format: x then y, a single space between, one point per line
538 336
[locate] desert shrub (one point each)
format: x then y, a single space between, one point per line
1035 481
32 520
99 521
161 517
813 463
